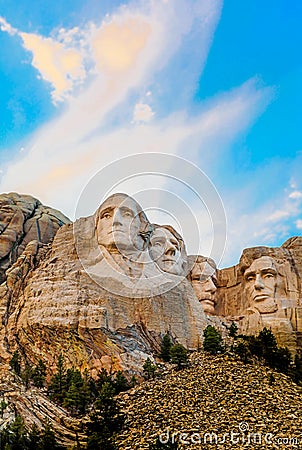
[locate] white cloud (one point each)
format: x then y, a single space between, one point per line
299 224
142 113
126 54
59 65
6 27
296 195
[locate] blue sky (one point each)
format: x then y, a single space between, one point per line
220 84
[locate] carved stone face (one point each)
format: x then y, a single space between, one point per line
118 224
261 284
204 282
166 252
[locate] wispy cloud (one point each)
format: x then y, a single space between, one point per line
118 63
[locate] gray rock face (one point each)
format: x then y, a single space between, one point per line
77 298
23 219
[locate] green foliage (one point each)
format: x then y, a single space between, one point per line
297 369
15 363
212 340
179 355
281 360
38 374
149 369
16 437
120 382
243 351
3 406
233 330
105 421
165 350
26 375
264 346
57 385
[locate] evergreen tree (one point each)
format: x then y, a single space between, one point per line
103 377
26 375
166 348
3 406
34 438
57 385
281 360
233 330
39 374
243 351
48 439
212 340
15 436
105 422
297 369
15 363
120 382
179 355
149 369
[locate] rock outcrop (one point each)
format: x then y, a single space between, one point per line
73 303
23 219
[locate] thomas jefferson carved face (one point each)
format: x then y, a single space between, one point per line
119 223
166 251
204 282
261 284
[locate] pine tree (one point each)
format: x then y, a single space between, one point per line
233 330
149 369
15 363
212 340
3 406
179 355
48 439
26 375
15 436
105 422
39 374
34 438
120 382
57 385
243 351
166 348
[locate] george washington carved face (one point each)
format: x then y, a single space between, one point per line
121 225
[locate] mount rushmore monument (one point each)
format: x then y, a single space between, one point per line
105 289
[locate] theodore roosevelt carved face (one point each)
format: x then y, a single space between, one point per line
204 282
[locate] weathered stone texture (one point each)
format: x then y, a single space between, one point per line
22 220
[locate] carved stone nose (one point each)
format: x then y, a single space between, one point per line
258 282
170 251
210 286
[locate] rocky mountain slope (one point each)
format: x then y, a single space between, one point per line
217 395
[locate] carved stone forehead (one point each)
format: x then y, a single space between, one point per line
121 200
162 232
265 262
203 268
